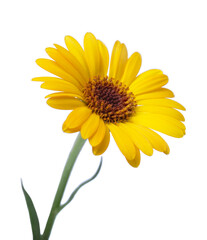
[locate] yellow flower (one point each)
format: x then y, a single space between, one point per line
127 105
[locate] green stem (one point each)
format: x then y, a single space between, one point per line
63 182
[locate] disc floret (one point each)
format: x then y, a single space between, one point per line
110 99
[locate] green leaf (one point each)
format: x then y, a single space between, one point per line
81 185
32 214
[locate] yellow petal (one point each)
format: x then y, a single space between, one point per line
76 118
103 145
47 79
104 59
161 123
146 76
74 61
90 126
152 86
155 139
138 138
71 130
43 79
92 54
123 141
136 161
97 138
77 51
65 103
161 93
53 68
65 65
162 102
150 83
57 84
63 94
132 68
114 57
161 110
118 61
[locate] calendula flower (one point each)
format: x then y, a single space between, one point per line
127 105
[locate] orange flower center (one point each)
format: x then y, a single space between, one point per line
110 99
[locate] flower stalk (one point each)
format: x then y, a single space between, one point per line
56 206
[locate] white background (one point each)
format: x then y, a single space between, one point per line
165 198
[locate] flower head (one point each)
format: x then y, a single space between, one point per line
127 105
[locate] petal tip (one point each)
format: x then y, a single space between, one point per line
35 79
38 61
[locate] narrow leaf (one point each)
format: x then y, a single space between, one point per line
81 185
32 214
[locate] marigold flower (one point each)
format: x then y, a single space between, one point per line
127 105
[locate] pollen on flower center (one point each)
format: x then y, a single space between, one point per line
111 100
